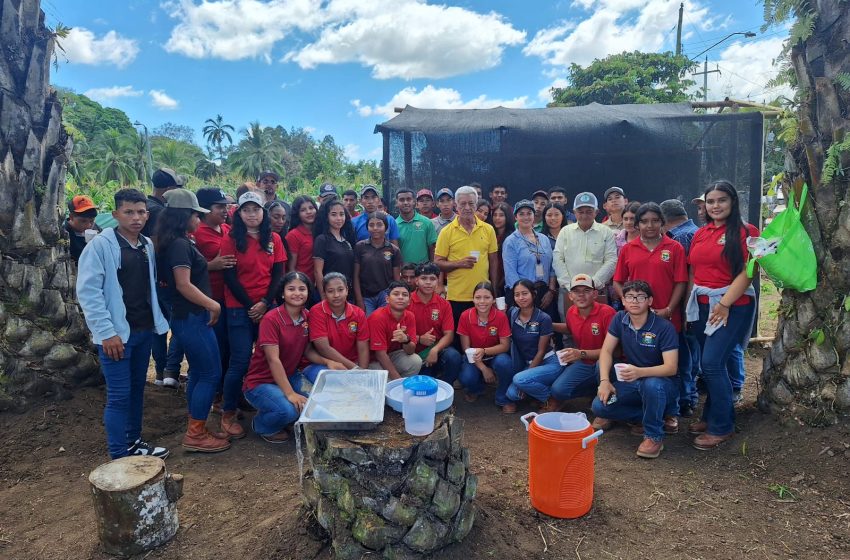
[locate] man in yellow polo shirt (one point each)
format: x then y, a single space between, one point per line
467 252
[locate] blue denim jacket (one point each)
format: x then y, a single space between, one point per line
100 294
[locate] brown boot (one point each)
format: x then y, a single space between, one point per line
198 439
231 425
552 405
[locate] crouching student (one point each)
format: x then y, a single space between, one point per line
434 325
116 288
484 330
532 354
273 382
587 323
393 334
338 329
644 389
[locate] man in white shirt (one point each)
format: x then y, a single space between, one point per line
585 247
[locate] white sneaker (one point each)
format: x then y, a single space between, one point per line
170 382
141 447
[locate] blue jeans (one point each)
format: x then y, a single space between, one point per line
220 330
576 380
241 332
311 372
646 400
472 379
125 387
719 409
536 382
199 343
688 369
447 367
371 303
735 367
166 357
274 411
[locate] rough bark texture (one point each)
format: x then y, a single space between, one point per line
387 493
44 348
807 380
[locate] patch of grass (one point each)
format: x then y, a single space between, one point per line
782 491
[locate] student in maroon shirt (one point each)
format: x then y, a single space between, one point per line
393 334
434 325
338 329
300 236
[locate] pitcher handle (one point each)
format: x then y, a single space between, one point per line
527 418
595 435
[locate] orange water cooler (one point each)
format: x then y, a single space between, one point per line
560 462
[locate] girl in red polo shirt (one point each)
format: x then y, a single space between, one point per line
338 329
300 236
250 289
722 305
485 337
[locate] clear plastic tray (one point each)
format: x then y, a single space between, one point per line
346 400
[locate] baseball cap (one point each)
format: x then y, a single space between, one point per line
541 192
208 196
267 173
673 208
367 188
327 189
425 192
445 191
611 190
250 196
700 198
582 280
164 178
182 198
585 199
557 189
524 203
81 203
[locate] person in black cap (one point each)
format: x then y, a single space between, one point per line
267 183
369 198
327 192
163 179
540 198
614 204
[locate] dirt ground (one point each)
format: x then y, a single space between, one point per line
775 491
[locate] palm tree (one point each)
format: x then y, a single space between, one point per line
206 169
258 151
112 158
216 132
139 154
174 154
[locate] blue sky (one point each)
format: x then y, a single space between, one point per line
339 66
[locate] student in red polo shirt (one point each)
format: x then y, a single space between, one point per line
721 304
435 325
393 334
250 289
587 321
485 330
273 383
338 329
656 259
300 236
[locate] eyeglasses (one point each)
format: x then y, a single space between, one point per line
640 298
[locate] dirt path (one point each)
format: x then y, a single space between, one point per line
245 502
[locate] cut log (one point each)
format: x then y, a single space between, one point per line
387 492
135 500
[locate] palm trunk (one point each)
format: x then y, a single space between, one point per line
43 344
804 377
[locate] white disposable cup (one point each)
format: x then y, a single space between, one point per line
617 369
561 360
476 254
470 355
89 234
500 303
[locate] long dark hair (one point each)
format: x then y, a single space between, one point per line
239 231
732 251
560 208
323 226
294 215
271 205
510 221
485 286
172 224
529 285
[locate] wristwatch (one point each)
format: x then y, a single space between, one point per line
582 354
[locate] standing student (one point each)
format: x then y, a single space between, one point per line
81 215
535 364
615 202
339 330
445 206
393 335
434 325
278 212
408 275
250 290
300 236
274 381
267 182
498 194
333 245
116 288
502 220
540 199
349 199
417 235
482 210
554 220
377 263
721 305
425 203
629 230
486 331
327 192
527 254
370 200
193 313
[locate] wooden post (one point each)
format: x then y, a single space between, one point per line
135 500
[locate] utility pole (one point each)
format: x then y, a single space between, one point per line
679 30
705 72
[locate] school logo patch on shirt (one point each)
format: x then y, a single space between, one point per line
388 255
352 327
594 329
665 255
648 339
270 248
306 328
721 240
493 331
534 327
435 314
417 225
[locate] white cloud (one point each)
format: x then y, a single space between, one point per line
83 47
745 68
409 39
352 152
107 94
434 98
162 100
545 94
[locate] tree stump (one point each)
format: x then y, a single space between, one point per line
135 500
385 491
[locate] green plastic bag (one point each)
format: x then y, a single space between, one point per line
784 250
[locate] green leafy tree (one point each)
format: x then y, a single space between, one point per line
323 161
179 156
629 77
111 158
179 132
89 118
216 132
206 169
257 151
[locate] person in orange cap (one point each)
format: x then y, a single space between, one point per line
81 215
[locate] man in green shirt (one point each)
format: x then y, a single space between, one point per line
417 234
